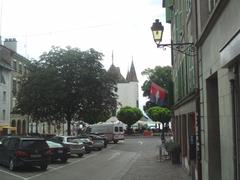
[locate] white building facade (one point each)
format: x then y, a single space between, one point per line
219 60
128 94
5 89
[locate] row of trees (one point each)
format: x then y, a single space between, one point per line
68 85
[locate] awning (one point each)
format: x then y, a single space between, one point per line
7 127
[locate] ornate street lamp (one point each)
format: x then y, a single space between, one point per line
157 31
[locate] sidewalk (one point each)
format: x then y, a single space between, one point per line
152 169
149 167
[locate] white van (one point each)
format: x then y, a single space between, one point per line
113 132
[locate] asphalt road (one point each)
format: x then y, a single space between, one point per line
112 163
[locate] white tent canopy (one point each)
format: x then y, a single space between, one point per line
113 120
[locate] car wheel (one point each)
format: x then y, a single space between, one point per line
80 155
99 149
115 141
64 159
44 166
12 165
88 151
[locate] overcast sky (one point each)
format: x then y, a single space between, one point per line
121 26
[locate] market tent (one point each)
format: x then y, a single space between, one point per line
114 120
145 121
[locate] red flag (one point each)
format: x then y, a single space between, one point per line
157 94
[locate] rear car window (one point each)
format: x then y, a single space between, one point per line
71 139
34 144
121 129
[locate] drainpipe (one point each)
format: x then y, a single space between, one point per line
198 110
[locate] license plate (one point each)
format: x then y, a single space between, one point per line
35 155
60 151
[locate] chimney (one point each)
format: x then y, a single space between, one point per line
11 43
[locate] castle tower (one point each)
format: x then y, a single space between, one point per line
127 88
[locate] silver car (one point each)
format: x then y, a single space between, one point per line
75 148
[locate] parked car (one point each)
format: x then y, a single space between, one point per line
99 137
75 148
98 142
87 143
58 151
24 151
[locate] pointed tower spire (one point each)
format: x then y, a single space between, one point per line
131 75
112 57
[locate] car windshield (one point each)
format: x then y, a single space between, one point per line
34 144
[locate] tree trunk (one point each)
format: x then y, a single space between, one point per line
69 126
163 133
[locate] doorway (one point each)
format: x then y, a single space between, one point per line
214 151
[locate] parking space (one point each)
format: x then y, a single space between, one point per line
28 173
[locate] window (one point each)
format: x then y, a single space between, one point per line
2 79
14 87
20 68
4 96
116 129
15 65
121 129
25 70
3 114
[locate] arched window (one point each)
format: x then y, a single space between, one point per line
13 124
24 127
19 127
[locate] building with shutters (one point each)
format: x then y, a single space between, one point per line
214 28
19 67
185 122
5 90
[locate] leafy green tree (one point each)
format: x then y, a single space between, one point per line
160 114
162 76
39 94
79 88
129 115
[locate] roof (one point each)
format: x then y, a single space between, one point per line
115 71
131 75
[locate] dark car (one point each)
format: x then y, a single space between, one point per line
58 151
24 151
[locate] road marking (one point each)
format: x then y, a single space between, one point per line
114 155
140 142
52 168
60 167
12 174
